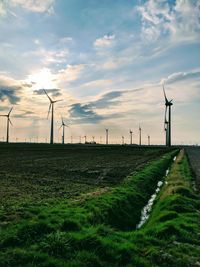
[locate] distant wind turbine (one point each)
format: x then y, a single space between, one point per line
149 142
51 108
167 121
140 135
63 125
8 124
106 136
131 137
122 140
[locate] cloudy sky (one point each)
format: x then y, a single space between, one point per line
107 60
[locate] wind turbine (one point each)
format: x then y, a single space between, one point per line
8 124
106 136
131 137
51 108
122 140
167 122
148 140
140 135
63 125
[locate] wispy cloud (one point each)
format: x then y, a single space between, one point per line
178 20
29 5
105 41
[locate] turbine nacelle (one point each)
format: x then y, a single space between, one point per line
167 102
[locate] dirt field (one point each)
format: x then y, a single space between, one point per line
194 158
36 172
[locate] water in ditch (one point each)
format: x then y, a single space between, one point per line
147 209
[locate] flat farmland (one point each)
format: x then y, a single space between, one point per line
36 172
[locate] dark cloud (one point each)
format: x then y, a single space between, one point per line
10 93
107 100
84 114
54 92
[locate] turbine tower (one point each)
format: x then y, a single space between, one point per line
51 108
85 137
8 124
149 142
122 140
167 122
131 137
63 125
140 135
107 136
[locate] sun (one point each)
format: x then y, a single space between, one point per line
44 78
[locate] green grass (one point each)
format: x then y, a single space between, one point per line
174 221
95 230
99 229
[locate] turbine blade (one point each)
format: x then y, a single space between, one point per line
57 100
60 127
165 118
10 111
49 110
3 115
165 94
48 95
62 120
10 121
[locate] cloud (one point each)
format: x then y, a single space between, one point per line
2 8
34 5
107 100
70 73
53 92
82 113
145 103
98 83
177 20
9 93
48 57
10 89
105 41
66 40
182 77
24 114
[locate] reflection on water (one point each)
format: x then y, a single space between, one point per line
147 209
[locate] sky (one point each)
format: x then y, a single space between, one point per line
106 60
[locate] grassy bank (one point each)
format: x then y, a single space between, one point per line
171 237
86 232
